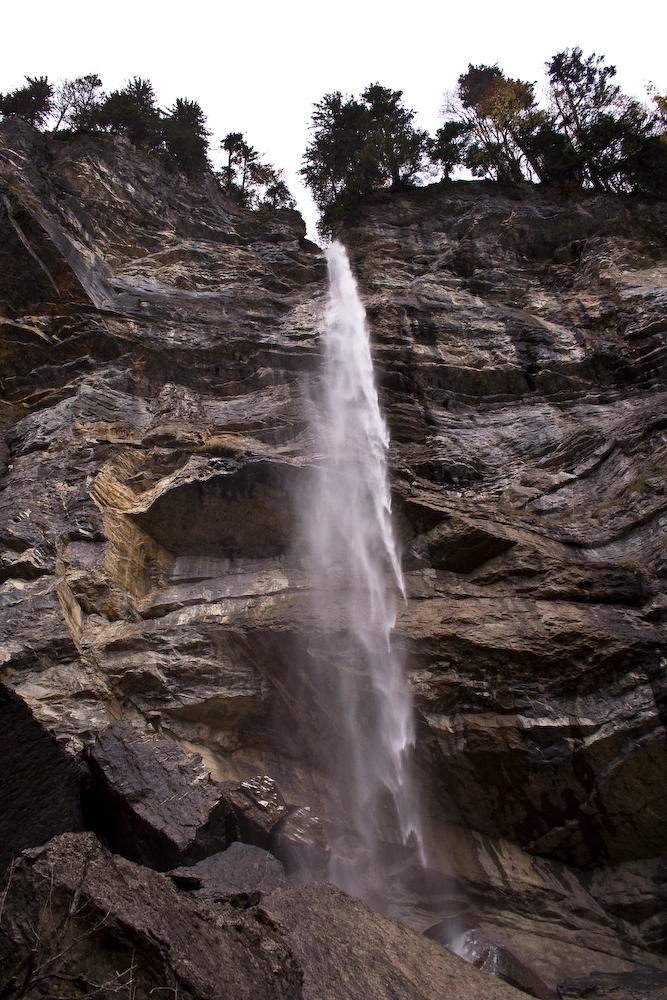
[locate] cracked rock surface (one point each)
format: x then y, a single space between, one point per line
158 346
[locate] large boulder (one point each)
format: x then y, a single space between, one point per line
154 803
242 874
39 778
475 948
301 843
258 806
349 951
159 805
79 922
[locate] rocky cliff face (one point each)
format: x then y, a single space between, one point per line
522 344
157 347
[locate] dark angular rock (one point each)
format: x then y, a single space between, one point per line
40 781
301 843
243 873
258 807
78 922
484 954
154 803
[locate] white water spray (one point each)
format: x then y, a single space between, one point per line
358 582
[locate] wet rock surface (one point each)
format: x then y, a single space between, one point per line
484 954
78 920
259 808
644 985
301 841
367 955
158 344
522 347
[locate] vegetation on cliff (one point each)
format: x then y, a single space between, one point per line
589 135
179 133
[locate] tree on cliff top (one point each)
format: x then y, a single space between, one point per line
241 156
32 102
248 180
492 120
75 103
360 145
185 136
606 130
393 140
337 162
267 188
133 112
592 135
447 148
661 113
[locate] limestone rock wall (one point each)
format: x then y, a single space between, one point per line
521 339
157 346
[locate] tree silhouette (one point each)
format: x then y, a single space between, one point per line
33 102
360 145
605 129
76 101
133 112
185 136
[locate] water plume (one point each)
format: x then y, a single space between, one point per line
358 583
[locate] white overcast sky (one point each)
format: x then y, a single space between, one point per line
259 66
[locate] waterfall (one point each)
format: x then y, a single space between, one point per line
357 585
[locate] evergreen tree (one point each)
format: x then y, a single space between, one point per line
32 102
185 136
358 146
447 148
553 155
277 193
337 163
241 157
230 144
250 181
133 112
267 188
395 143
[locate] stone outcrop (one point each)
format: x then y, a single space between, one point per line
159 348
497 960
160 806
242 874
41 783
78 921
154 804
521 338
367 955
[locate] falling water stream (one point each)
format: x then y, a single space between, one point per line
359 585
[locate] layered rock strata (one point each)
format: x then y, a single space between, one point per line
158 352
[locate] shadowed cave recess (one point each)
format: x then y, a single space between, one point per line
167 675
